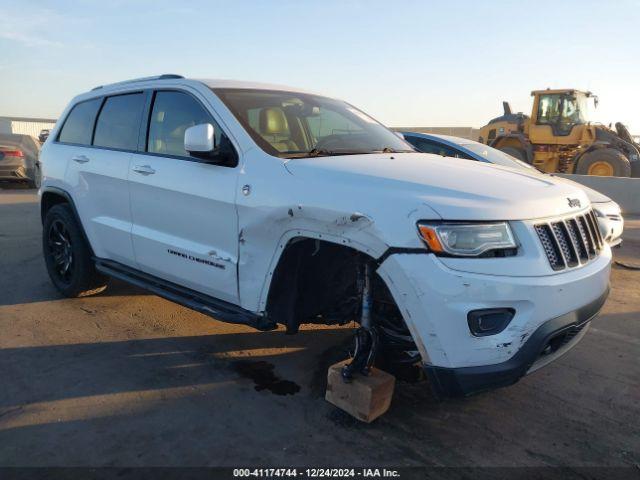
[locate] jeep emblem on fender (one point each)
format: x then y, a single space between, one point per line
574 202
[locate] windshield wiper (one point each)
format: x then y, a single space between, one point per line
393 150
319 152
323 152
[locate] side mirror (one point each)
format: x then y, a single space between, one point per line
200 140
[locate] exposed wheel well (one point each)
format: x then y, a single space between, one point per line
48 200
318 281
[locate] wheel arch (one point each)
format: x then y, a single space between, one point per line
289 238
516 140
52 196
319 280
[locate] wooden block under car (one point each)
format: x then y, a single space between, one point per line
365 398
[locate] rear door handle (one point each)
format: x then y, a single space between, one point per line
144 169
80 159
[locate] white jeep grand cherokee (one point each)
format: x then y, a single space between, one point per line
260 204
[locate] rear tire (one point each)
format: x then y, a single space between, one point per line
35 182
68 256
514 152
604 162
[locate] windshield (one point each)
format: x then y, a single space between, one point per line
295 125
494 155
563 111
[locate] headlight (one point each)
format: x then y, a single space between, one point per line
467 239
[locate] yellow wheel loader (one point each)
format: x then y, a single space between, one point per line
558 137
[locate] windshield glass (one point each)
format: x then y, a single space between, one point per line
295 125
563 111
494 155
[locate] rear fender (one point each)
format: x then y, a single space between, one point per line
50 196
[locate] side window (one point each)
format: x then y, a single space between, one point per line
412 140
78 126
427 146
119 122
171 115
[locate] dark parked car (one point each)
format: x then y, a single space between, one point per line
44 134
19 159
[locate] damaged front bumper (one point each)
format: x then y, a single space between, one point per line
550 341
551 315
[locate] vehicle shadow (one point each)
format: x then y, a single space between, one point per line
65 371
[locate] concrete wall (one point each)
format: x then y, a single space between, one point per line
625 191
25 126
469 133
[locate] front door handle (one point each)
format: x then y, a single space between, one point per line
80 159
144 169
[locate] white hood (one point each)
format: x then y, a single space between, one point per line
454 190
594 195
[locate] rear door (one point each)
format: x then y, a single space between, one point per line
98 138
185 224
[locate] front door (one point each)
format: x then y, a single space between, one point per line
185 224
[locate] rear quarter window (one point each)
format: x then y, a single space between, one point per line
78 126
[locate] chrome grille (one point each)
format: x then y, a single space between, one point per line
570 242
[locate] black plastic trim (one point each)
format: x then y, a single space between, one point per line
474 325
465 381
393 250
213 307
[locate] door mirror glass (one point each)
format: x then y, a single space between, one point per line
200 139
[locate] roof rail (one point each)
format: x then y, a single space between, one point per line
165 76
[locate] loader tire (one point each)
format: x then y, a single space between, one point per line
605 162
514 152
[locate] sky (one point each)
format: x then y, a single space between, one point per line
405 62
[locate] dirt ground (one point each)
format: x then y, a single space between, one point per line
128 379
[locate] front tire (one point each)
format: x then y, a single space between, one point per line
68 256
604 162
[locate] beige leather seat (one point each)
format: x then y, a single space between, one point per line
274 128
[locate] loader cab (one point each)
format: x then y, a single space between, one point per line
556 113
